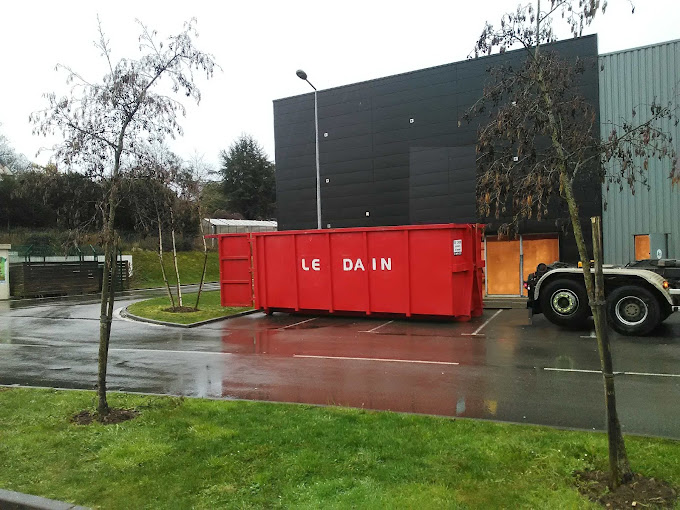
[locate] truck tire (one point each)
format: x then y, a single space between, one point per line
565 302
633 310
665 314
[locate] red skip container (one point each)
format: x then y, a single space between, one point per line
418 270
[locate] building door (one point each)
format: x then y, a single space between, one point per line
537 249
506 260
642 247
502 267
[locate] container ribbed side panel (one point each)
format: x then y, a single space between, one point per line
633 80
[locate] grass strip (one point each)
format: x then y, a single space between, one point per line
209 308
192 453
147 270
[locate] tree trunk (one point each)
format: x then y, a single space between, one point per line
106 304
174 259
619 466
205 258
160 260
104 330
108 286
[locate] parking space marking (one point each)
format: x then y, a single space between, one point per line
30 345
652 375
592 335
476 332
583 371
70 346
298 323
376 328
386 360
214 353
579 370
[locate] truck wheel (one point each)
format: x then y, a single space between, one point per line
565 303
633 310
664 315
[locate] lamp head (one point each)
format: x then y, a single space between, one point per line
301 74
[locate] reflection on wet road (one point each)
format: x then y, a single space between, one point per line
497 366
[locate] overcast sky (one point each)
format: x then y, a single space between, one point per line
260 44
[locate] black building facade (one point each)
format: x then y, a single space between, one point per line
393 152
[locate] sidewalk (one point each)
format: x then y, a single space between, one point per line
17 501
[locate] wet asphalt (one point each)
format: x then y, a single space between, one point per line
501 366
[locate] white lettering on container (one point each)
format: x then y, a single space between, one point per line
315 265
358 264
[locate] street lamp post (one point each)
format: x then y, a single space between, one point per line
303 76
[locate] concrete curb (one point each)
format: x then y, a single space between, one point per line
505 303
17 501
124 313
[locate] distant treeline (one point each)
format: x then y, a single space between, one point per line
39 199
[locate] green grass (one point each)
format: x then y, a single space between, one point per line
209 308
147 270
185 453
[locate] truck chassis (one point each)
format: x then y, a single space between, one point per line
638 297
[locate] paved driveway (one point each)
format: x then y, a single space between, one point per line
498 366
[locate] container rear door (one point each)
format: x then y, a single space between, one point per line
236 287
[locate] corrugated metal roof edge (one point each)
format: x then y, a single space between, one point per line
638 48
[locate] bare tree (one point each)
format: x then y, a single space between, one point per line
165 168
10 158
178 284
106 125
198 171
161 188
151 198
541 137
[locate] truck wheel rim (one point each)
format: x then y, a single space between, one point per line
564 302
631 310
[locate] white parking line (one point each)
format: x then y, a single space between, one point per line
28 345
583 371
213 353
652 375
387 360
70 346
298 323
592 335
476 332
579 370
376 328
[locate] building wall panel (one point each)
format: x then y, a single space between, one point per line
633 79
393 147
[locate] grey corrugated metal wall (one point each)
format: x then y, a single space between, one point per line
628 79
